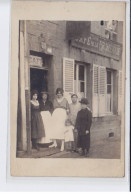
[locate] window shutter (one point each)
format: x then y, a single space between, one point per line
68 77
95 83
102 90
95 90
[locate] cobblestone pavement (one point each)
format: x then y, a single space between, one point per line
107 149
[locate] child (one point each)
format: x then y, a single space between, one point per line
83 125
69 137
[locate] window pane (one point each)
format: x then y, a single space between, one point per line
82 86
108 77
75 72
109 89
81 73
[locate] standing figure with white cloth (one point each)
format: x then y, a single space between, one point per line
69 136
46 108
59 116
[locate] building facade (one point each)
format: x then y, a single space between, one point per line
56 54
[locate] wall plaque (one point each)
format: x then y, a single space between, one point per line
35 61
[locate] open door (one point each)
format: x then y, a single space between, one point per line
38 80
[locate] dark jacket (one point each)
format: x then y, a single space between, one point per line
83 121
48 106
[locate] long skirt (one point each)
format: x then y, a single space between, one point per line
46 117
84 141
37 127
59 117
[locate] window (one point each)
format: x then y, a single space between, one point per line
74 78
80 80
109 91
111 30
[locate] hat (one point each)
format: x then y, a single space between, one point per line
43 92
84 101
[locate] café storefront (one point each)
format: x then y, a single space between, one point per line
99 61
90 66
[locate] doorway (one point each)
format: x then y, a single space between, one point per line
38 80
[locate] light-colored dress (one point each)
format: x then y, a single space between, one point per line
69 136
59 117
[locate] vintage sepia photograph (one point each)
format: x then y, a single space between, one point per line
67 95
69 89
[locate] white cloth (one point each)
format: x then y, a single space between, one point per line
69 133
46 117
59 117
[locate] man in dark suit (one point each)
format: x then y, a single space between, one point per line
83 125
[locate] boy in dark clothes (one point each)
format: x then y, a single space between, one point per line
83 125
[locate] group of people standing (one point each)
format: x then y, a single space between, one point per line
69 123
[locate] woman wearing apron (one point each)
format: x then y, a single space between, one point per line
59 116
46 108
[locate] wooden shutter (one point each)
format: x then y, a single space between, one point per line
68 77
95 90
102 90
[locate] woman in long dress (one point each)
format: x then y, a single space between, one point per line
37 127
46 108
59 116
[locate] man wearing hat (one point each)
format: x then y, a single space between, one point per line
83 125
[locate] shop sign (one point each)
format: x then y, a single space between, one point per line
99 45
35 61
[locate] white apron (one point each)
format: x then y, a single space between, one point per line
46 117
59 117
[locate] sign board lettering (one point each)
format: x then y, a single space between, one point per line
99 45
35 61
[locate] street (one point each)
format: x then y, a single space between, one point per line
106 149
